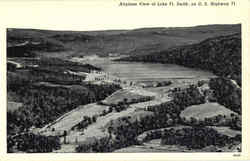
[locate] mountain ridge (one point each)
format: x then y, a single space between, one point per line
125 42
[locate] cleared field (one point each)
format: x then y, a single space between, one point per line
207 110
154 102
70 119
130 94
97 130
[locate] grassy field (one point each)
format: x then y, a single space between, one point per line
131 95
207 110
70 119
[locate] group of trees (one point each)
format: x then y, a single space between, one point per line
56 64
124 104
236 122
196 137
227 93
154 134
48 75
32 143
129 100
85 122
182 98
48 70
188 96
120 106
163 83
233 121
43 104
29 49
92 144
140 99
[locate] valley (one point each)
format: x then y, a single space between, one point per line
142 90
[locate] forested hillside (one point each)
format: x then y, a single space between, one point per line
221 55
129 42
45 91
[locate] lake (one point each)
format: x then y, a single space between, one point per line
140 71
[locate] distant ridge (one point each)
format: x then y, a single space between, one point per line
140 41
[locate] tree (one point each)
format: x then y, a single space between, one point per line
193 121
125 100
94 119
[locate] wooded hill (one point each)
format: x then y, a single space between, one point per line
221 55
129 42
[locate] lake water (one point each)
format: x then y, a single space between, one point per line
139 71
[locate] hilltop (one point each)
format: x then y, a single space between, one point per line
126 42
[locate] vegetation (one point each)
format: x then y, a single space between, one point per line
196 137
182 98
206 55
208 114
48 70
148 84
125 97
28 50
47 88
227 93
127 128
163 83
85 122
120 106
43 100
219 120
144 40
60 64
32 143
96 145
43 104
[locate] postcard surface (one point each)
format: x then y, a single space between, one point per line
124 80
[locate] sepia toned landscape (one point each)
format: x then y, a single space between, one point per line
175 89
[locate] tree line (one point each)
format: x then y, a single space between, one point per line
197 137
